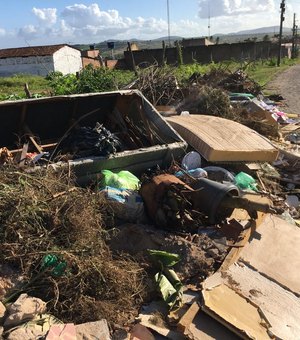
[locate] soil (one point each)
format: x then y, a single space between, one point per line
287 84
199 258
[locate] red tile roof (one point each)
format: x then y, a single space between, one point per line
30 51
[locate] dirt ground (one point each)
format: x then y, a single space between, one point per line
287 84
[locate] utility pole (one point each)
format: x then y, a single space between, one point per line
294 38
169 31
209 20
282 7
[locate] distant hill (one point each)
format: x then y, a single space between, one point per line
264 30
257 34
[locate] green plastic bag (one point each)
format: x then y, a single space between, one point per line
121 180
245 181
53 262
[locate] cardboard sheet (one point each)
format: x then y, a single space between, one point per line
232 310
265 274
274 251
222 140
279 306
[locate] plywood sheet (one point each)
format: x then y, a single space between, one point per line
280 307
222 140
235 312
265 274
204 327
274 251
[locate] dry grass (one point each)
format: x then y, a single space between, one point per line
44 213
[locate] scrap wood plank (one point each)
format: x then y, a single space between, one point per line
205 327
222 140
186 320
274 251
280 307
233 311
265 272
247 230
23 155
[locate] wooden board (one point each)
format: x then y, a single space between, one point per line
222 140
280 307
274 251
233 311
265 274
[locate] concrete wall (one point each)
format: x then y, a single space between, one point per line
206 54
27 65
67 60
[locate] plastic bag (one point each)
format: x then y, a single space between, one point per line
128 205
121 180
245 181
195 173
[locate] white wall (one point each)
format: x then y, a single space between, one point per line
67 60
27 65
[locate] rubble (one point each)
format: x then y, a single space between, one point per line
2 311
93 330
24 309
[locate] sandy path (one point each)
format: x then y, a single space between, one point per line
287 84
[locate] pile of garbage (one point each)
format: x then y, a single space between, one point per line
53 240
181 231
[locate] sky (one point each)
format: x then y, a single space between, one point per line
45 22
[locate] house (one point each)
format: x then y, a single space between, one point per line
40 60
91 57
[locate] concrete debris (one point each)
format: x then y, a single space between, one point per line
24 309
93 330
151 317
62 332
140 332
25 333
10 278
2 311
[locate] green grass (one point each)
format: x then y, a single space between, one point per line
261 71
264 72
13 87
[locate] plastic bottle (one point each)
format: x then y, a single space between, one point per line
195 173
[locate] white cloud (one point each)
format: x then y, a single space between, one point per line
28 32
90 20
80 15
218 8
46 16
82 23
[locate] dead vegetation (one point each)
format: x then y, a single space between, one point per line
159 85
207 100
53 234
162 86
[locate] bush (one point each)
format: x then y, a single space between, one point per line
89 80
61 84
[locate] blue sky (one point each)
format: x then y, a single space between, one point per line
32 22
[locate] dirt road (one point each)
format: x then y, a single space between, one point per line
287 84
